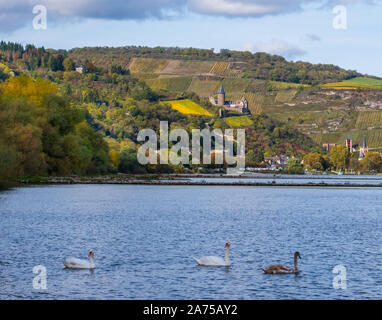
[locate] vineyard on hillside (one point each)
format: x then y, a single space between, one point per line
172 84
284 96
219 67
367 119
373 138
185 67
145 65
233 85
204 88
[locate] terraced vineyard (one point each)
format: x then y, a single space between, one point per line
204 88
367 119
146 76
219 67
286 85
235 85
186 67
145 65
285 95
172 84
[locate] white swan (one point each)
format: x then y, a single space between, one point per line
74 263
211 261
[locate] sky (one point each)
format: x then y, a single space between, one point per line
346 33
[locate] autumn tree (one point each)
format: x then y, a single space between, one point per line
41 133
372 161
114 157
339 157
314 161
68 64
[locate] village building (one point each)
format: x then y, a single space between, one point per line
328 146
80 69
276 162
363 150
349 144
240 106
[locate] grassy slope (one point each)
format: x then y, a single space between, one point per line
173 84
241 121
355 83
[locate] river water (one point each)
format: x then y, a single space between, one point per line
144 238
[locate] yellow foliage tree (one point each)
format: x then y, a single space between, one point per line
114 156
26 87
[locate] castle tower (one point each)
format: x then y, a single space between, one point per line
349 144
221 96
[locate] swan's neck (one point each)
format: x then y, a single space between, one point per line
91 260
226 255
295 264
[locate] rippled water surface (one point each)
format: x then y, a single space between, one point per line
144 238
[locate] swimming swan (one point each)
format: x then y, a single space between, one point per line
280 269
74 263
211 261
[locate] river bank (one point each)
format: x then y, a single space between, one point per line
213 180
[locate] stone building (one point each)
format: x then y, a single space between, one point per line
238 106
328 146
349 144
363 150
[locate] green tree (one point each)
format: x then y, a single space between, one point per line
68 64
128 162
339 157
294 166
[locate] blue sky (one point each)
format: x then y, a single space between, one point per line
297 29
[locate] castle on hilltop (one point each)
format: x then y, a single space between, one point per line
238 106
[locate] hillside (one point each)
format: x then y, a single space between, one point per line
170 61
328 113
325 109
125 89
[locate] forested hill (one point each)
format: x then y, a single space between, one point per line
258 65
242 64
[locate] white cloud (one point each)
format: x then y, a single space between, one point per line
16 14
235 8
259 8
278 47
